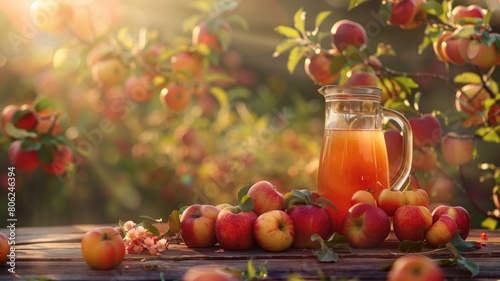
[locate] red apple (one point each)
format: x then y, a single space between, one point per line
459 214
24 160
25 118
7 114
309 220
4 248
216 34
438 46
416 268
441 189
366 226
416 197
138 88
455 49
426 130
419 17
323 67
470 99
361 76
411 222
103 248
234 228
402 11
274 231
175 97
456 149
197 225
187 65
441 231
470 12
62 158
363 196
347 33
390 200
482 55
424 158
265 197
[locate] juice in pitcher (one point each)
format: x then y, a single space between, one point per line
351 160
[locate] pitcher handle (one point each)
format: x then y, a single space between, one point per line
403 173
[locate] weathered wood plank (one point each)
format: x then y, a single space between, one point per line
278 269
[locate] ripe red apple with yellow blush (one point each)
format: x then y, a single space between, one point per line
457 149
459 214
274 231
470 99
324 67
109 72
411 222
390 200
361 76
424 158
197 225
187 65
419 17
462 12
441 231
416 197
415 267
437 46
482 55
103 248
265 197
347 33
363 196
402 11
366 226
426 130
234 228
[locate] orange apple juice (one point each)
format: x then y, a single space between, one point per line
351 160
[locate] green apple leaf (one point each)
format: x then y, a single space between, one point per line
246 204
243 191
174 222
468 264
298 20
284 46
325 202
408 246
468 78
295 56
432 7
460 244
324 254
17 133
287 31
43 103
150 228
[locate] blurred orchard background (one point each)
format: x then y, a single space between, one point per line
242 118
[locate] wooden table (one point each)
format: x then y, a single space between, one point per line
54 253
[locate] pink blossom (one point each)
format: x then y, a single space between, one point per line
129 225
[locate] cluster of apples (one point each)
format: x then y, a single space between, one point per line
35 130
188 65
275 222
368 222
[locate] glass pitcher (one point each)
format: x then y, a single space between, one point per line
353 154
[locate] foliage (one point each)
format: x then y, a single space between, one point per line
474 114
